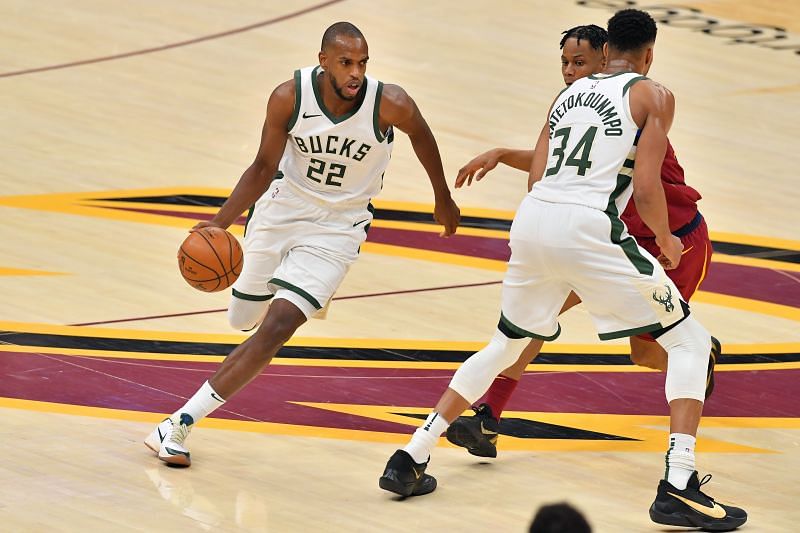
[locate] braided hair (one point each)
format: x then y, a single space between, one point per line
596 35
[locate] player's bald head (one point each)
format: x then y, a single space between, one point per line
337 31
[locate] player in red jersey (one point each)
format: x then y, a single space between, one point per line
582 55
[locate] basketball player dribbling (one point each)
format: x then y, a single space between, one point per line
582 55
325 145
603 141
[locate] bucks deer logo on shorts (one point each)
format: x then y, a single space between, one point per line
665 300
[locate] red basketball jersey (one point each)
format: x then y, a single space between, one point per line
681 199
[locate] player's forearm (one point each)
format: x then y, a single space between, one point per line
652 208
427 152
519 159
253 183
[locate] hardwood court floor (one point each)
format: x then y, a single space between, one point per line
124 123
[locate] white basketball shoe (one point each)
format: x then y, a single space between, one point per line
167 440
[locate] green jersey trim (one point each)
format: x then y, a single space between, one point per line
318 95
631 82
297 100
376 112
294 288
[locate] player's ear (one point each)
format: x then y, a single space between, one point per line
323 58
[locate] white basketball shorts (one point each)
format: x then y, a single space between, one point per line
556 248
299 246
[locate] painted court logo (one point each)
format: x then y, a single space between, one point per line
665 299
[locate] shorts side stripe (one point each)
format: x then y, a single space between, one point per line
629 332
252 297
525 333
294 288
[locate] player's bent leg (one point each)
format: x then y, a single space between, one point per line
243 364
246 311
249 358
475 375
679 500
479 433
687 345
404 473
648 354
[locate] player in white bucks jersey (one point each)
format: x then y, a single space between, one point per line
604 140
325 145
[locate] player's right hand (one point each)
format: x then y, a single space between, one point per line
671 251
480 164
204 224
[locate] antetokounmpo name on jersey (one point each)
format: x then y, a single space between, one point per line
596 101
333 145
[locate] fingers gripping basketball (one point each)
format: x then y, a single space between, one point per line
210 259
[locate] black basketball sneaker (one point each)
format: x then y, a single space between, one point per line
405 477
692 508
477 433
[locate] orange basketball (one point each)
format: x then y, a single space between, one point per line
210 259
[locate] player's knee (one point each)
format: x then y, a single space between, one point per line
474 377
688 345
277 329
245 315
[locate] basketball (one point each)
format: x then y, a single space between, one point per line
210 259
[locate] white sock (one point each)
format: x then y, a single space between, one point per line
202 404
425 437
680 459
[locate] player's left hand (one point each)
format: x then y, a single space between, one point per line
480 164
448 215
671 249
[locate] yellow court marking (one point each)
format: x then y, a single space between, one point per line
755 262
747 304
7 271
408 365
637 427
437 257
754 240
96 204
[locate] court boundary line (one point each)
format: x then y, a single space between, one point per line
170 46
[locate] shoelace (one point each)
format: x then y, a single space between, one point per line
703 481
178 434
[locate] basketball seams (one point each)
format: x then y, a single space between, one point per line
231 248
221 264
211 242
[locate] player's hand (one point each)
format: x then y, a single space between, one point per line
204 224
480 164
448 215
671 250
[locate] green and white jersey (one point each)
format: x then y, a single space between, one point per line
592 144
335 159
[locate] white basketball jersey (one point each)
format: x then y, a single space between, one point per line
336 159
592 144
